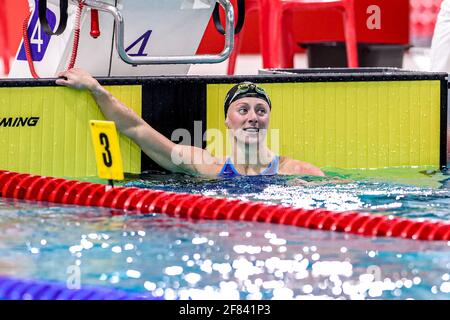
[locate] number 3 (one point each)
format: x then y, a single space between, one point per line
107 158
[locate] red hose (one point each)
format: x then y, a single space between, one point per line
26 43
76 35
38 188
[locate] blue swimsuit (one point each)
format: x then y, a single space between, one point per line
228 170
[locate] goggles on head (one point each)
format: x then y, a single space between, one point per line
246 89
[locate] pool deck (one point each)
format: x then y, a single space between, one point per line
416 59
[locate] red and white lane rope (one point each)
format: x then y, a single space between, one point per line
136 200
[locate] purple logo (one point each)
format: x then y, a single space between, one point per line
143 40
39 40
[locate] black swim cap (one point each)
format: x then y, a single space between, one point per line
245 89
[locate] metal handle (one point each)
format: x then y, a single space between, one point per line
195 59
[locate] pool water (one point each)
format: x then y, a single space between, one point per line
181 259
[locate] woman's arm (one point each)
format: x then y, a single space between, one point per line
295 167
162 150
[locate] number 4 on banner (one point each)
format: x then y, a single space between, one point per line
107 150
36 37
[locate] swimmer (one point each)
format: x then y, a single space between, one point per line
247 110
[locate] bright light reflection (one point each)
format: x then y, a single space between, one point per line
173 271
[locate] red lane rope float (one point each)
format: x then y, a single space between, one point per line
189 206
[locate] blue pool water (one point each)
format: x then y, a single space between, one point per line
176 258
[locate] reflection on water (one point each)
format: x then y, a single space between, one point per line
176 258
406 192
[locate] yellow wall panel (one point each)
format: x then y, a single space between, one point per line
60 143
373 124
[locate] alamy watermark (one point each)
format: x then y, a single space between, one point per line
373 21
245 144
73 281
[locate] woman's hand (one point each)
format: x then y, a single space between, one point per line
77 79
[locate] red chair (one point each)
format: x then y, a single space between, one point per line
276 34
4 43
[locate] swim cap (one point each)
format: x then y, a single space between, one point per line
242 90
